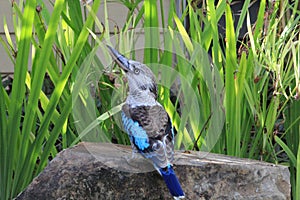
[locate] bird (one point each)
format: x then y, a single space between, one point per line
146 122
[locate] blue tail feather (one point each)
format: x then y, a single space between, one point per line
172 182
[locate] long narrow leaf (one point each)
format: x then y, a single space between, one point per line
18 93
59 88
230 68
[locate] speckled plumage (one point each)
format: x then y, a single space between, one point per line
155 122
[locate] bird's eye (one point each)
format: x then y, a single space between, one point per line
136 71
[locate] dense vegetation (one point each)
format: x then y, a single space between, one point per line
246 104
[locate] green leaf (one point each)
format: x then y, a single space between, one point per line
184 34
151 32
230 68
17 96
297 195
287 150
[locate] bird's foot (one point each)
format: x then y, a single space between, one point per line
134 160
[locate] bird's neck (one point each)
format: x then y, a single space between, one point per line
141 98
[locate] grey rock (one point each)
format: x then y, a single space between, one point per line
107 171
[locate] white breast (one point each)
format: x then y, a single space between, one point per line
141 98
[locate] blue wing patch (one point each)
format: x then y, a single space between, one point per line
136 133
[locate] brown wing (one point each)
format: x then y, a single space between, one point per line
155 121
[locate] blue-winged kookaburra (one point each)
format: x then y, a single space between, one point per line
146 122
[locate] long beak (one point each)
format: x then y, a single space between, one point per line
121 60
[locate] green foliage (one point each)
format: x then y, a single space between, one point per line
260 84
246 104
32 123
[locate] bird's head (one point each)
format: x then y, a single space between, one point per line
140 77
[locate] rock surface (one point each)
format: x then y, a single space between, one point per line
107 171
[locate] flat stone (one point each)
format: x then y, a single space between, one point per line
108 171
